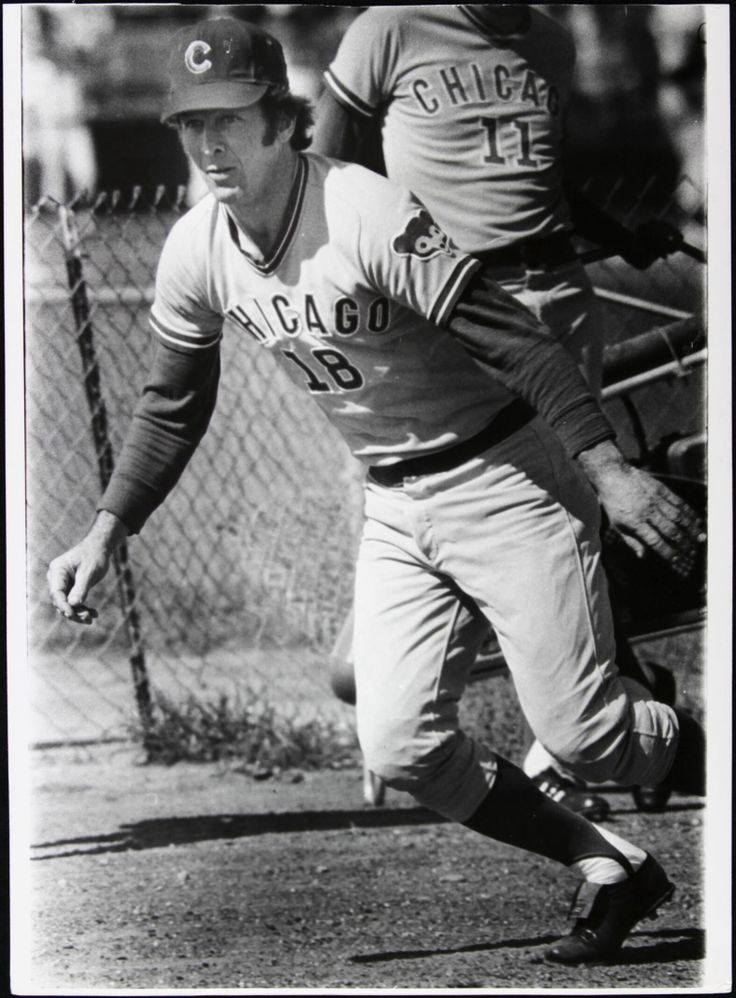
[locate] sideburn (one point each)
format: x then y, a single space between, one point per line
273 124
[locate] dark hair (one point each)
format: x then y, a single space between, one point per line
279 105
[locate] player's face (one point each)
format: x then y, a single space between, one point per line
234 152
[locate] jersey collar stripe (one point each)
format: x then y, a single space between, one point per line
177 338
296 200
346 96
448 296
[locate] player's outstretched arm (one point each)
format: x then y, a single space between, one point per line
73 574
642 509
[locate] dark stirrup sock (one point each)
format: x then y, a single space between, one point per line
516 812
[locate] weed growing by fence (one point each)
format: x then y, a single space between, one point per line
248 729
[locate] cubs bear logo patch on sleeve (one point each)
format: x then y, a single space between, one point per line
423 238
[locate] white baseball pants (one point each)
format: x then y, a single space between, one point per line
516 531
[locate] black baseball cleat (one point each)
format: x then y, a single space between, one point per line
606 913
573 795
652 798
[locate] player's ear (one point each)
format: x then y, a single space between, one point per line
286 125
280 123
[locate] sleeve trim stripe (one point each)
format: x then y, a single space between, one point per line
448 296
346 96
192 341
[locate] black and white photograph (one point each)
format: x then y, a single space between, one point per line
368 498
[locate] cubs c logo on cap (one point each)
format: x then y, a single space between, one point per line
195 57
221 62
422 237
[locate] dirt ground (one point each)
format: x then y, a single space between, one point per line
197 876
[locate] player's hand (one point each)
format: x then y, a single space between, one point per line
72 575
643 510
650 241
70 578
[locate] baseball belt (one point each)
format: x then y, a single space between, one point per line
549 251
510 419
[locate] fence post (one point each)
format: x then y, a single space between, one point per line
105 462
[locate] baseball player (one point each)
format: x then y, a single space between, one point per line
466 103
474 504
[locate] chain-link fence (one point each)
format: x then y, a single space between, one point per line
244 576
241 580
654 412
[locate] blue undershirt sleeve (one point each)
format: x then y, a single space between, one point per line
504 337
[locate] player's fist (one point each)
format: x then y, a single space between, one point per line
651 240
70 578
73 574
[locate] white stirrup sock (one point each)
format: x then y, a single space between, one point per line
604 870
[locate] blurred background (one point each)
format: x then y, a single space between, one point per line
240 583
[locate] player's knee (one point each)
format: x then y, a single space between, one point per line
573 754
594 750
630 740
409 763
647 753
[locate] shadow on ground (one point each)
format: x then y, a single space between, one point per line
669 945
157 832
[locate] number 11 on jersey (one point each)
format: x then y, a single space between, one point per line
491 127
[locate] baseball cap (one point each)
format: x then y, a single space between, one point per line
222 62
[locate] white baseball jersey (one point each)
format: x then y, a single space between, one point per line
472 124
351 302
